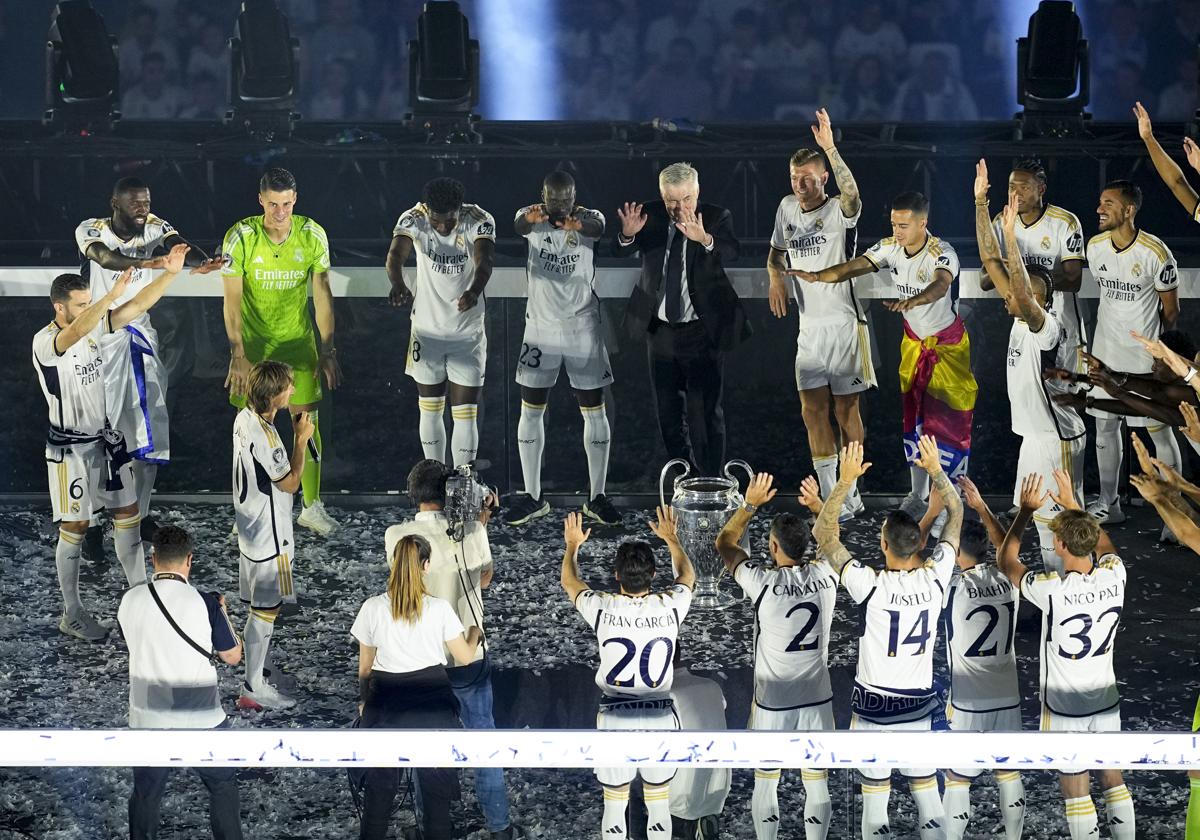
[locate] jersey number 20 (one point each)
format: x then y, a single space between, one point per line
613 677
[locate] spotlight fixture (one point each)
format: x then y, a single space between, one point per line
82 77
1052 71
264 59
443 74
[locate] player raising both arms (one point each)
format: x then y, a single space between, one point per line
269 260
447 345
562 329
87 462
1168 169
833 350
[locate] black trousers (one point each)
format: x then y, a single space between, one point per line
224 807
688 375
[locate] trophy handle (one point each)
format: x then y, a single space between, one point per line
742 465
662 477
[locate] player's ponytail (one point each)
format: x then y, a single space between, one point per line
406 584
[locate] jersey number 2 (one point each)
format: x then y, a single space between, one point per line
798 643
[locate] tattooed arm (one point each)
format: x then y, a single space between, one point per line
994 275
826 529
848 196
931 461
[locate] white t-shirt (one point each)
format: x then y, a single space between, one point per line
73 382
1055 238
171 686
140 246
816 239
793 611
912 274
1129 281
561 269
981 622
637 638
263 512
405 646
445 270
899 623
455 569
1080 617
1030 396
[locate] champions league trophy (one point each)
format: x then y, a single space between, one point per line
702 506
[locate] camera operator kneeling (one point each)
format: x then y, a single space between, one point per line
402 635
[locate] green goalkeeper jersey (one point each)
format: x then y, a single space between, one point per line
275 276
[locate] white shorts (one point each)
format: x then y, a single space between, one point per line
77 475
135 391
1044 455
433 360
1107 721
879 774
575 344
1066 306
265 584
1120 352
837 355
1003 720
628 717
817 718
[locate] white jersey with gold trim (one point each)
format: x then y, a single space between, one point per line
1130 279
262 510
981 625
637 636
793 611
73 381
445 270
1080 617
1030 396
912 274
139 246
816 239
561 269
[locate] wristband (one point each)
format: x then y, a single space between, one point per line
983 203
749 508
1191 372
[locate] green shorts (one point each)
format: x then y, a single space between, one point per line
299 352
1196 716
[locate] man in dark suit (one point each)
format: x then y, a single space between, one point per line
687 305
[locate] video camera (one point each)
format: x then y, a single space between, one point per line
465 495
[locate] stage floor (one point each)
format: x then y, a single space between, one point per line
544 658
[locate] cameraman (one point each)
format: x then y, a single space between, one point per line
458 572
172 682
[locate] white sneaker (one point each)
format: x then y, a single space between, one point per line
1107 514
233 534
266 697
314 518
914 506
935 530
852 507
81 625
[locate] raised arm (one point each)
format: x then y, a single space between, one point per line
758 493
1008 556
323 306
848 197
574 536
302 432
1159 493
106 257
1019 286
633 219
398 253
1170 172
975 502
930 460
152 292
88 319
826 529
666 531
995 275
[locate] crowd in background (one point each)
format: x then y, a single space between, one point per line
704 60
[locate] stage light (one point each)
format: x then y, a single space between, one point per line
263 63
443 75
82 77
1052 70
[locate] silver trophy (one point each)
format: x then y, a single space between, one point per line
702 506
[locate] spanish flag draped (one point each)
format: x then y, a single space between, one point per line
939 393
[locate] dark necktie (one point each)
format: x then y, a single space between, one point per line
674 279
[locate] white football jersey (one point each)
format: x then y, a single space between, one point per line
262 511
793 611
72 382
1130 280
561 269
445 269
1080 617
637 638
1055 238
898 629
912 274
139 246
981 623
816 239
1030 397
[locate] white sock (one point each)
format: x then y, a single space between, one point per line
127 535
433 427
464 440
66 560
1118 808
817 807
920 482
1081 818
596 440
144 474
1109 449
1051 562
1012 803
875 797
764 804
257 633
827 468
612 823
531 443
658 810
929 808
956 805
